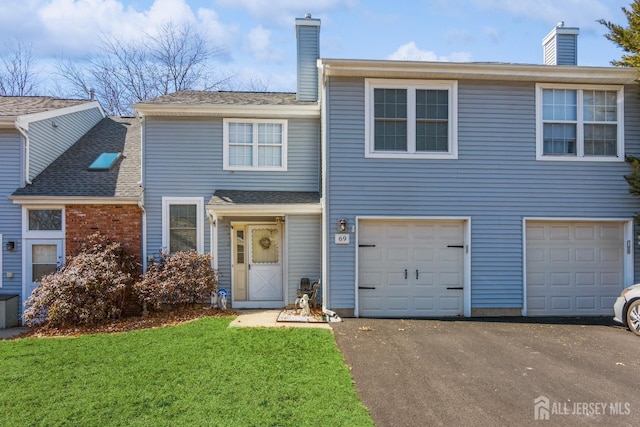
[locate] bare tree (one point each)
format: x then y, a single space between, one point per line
129 71
17 75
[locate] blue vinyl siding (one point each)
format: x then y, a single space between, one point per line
496 181
183 158
308 52
10 213
304 236
567 49
47 143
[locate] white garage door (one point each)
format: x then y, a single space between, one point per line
574 268
410 268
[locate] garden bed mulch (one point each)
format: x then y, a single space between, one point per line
153 320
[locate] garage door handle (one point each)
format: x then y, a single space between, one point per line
456 288
366 246
366 287
405 274
456 246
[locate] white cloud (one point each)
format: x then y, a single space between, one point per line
492 34
74 27
576 13
258 42
283 12
411 52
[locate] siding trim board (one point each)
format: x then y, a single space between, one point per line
630 245
467 252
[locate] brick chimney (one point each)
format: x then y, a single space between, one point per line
308 52
560 46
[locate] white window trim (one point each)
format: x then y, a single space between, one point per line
42 234
579 157
412 85
199 202
225 153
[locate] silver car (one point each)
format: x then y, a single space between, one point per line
627 308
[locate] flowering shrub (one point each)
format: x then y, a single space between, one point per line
178 279
90 287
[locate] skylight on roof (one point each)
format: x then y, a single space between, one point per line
105 161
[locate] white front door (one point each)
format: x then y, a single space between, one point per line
43 257
265 263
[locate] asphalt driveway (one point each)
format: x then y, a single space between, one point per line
488 372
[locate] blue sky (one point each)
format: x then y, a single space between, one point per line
259 41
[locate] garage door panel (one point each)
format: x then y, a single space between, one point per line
558 232
576 269
586 279
585 255
422 254
560 255
586 303
420 247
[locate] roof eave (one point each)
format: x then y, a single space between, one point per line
74 200
264 209
225 110
477 71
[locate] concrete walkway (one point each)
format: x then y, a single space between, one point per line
11 332
269 319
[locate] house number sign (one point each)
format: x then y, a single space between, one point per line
342 239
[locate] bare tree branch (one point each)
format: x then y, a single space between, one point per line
125 72
17 76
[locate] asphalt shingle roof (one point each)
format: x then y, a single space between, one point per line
68 176
21 105
242 197
194 97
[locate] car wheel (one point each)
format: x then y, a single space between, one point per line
633 317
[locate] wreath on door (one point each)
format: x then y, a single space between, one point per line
265 242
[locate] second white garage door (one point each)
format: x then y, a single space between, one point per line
410 268
574 268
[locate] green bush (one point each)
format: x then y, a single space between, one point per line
179 279
92 286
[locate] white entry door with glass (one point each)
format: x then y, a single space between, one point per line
43 244
258 265
43 257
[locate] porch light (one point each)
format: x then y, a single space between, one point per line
342 225
11 246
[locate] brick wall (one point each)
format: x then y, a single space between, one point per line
121 223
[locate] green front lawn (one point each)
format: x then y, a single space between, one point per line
196 374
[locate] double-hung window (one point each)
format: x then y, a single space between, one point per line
255 144
411 119
579 123
182 224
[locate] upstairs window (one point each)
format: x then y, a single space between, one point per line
255 144
579 123
411 119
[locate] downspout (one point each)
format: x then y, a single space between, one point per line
141 201
144 231
25 135
323 186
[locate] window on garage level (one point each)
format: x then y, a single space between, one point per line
411 119
579 123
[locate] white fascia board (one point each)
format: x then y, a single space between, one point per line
24 120
269 111
479 71
265 210
73 200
